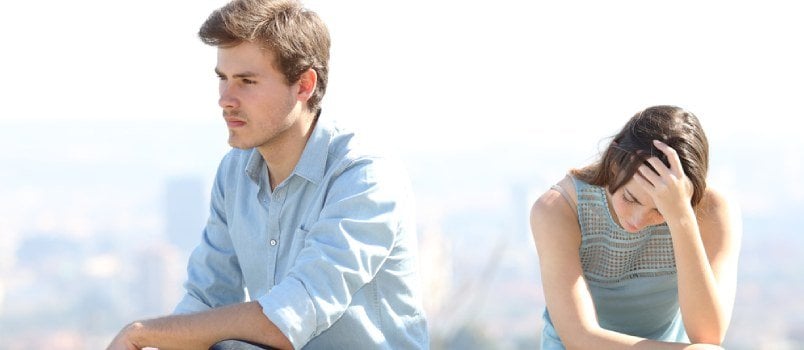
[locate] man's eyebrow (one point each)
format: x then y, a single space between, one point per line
632 196
246 74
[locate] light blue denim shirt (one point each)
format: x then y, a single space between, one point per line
330 254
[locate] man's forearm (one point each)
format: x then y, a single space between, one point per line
243 321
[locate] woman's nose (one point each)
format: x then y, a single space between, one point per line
647 218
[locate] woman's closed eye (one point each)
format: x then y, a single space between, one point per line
630 200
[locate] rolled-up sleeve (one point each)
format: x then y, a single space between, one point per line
214 277
343 250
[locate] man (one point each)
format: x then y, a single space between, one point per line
319 232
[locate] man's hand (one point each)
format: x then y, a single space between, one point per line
123 340
243 321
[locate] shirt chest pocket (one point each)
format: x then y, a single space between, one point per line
292 249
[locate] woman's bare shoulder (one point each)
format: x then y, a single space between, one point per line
719 214
554 202
553 212
718 202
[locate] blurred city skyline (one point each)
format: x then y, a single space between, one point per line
100 234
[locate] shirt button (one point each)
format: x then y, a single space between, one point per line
273 242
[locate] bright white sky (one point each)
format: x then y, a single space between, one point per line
423 73
439 78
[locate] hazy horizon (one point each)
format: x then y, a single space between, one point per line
488 104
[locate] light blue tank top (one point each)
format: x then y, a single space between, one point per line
631 276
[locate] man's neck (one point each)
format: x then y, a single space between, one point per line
282 155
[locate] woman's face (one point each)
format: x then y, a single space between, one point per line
633 208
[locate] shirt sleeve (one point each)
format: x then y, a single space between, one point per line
343 250
214 277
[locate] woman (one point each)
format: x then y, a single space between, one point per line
635 250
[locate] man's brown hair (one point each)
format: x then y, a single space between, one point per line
296 36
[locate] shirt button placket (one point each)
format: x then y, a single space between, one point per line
277 197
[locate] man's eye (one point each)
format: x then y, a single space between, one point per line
249 82
628 200
221 77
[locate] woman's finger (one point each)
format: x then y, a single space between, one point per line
642 182
658 165
672 157
649 174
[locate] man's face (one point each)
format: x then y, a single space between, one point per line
258 104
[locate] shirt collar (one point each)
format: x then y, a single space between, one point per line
255 165
313 161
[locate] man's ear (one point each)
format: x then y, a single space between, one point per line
307 83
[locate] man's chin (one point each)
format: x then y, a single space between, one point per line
239 144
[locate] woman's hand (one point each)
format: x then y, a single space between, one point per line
669 188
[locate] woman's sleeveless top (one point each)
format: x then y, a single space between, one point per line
631 276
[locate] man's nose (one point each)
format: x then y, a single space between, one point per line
227 97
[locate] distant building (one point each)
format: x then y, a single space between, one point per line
2 295
185 212
158 281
